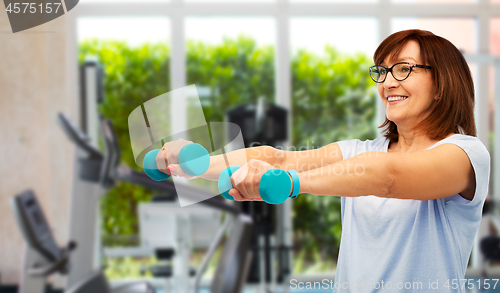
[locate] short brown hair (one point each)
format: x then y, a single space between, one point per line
453 111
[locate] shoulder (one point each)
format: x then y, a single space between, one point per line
454 165
479 159
471 145
353 147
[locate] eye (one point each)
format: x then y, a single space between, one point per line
405 69
382 71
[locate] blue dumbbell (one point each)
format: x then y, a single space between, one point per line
274 187
194 160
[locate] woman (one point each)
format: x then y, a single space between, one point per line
411 200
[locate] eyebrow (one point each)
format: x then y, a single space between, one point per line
402 59
406 58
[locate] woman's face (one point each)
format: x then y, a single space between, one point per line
418 90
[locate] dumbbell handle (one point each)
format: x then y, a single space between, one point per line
274 188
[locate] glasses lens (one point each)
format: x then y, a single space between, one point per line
377 73
401 71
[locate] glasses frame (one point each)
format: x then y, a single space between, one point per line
390 70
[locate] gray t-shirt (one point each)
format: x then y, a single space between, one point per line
409 245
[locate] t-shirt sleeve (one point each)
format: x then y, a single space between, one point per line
480 161
354 147
348 148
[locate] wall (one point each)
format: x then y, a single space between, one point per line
34 153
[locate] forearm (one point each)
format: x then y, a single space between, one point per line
365 174
239 158
302 161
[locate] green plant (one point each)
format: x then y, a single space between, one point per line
236 71
129 267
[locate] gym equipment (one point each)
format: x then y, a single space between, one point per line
148 125
489 241
44 258
195 225
232 269
490 247
261 123
274 188
194 160
264 123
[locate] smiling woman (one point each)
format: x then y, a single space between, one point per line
448 76
421 224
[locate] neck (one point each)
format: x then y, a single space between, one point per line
412 140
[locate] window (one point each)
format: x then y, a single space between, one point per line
460 31
495 36
334 1
135 31
433 1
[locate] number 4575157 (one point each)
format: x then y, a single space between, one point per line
33 8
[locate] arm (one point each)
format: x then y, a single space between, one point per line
436 173
239 158
280 159
310 159
167 159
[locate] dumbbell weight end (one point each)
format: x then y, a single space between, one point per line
224 184
274 188
151 168
194 160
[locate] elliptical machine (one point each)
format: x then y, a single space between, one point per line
43 257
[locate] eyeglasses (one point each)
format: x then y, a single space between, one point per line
400 71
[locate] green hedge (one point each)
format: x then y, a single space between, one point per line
333 99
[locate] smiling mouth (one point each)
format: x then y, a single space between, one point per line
396 98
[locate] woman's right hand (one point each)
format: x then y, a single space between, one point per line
167 159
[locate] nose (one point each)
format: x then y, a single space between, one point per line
390 82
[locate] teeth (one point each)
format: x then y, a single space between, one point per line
390 99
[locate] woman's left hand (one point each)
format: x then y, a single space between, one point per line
246 180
